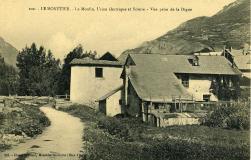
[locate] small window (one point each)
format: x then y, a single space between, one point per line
156 106
194 60
120 102
196 63
185 83
185 80
99 72
206 97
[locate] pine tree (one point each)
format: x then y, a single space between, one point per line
38 71
9 78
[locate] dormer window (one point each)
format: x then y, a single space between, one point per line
194 60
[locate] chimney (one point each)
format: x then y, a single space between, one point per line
224 50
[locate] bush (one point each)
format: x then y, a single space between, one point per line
4 147
84 112
183 150
113 127
1 118
245 94
110 138
235 116
30 121
239 120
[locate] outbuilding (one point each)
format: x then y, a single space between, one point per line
93 78
111 103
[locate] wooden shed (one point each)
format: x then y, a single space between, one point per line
111 103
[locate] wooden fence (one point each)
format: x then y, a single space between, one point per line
65 97
192 106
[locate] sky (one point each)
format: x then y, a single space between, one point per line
61 31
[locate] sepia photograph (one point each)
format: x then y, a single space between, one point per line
125 80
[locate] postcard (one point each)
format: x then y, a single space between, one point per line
125 80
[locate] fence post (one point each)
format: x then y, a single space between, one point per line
180 104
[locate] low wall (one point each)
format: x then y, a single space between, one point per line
13 101
178 121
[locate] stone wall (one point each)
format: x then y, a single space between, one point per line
178 121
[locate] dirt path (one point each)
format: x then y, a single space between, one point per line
61 140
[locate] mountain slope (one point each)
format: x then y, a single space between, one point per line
8 52
230 26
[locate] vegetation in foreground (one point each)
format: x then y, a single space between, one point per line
128 138
28 121
232 116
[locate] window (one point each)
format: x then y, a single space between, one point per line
156 106
194 60
185 80
206 97
99 72
120 102
185 83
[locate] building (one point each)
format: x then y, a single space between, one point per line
111 103
158 86
162 89
241 59
93 78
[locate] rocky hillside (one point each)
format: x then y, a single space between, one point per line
230 26
8 52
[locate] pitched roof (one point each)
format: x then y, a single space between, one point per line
157 87
236 52
108 56
153 76
180 64
242 61
94 62
110 93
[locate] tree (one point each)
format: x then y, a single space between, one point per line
77 52
38 71
9 78
223 90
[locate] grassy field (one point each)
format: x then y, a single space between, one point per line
129 139
25 121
